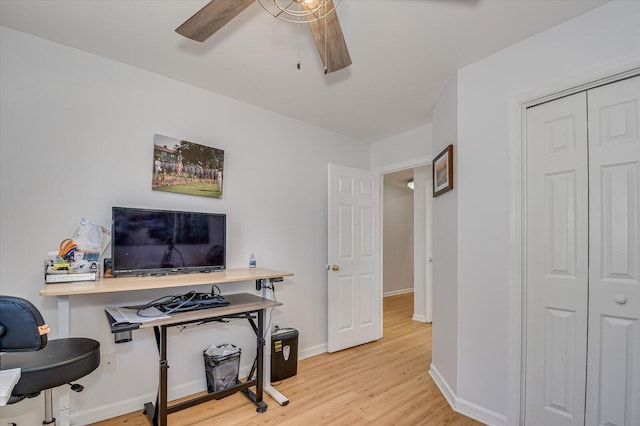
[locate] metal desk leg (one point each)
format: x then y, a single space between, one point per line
62 392
258 364
164 366
158 414
262 406
270 390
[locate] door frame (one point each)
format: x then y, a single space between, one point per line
428 312
390 168
517 285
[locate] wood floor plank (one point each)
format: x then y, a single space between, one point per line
383 383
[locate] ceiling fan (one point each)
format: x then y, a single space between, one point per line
319 14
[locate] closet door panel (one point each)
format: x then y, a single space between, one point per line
557 252
613 386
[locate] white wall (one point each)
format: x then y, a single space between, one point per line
604 36
77 138
397 238
402 151
444 226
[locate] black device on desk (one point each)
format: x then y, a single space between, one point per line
187 302
190 301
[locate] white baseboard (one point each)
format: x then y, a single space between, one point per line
464 407
479 413
442 384
137 404
459 405
313 351
397 292
108 411
420 318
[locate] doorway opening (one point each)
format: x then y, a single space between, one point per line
406 237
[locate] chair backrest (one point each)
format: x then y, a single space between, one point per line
22 328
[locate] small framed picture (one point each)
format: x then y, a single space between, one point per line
443 172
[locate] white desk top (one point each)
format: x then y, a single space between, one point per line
110 285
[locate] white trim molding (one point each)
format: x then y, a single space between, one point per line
463 406
398 292
312 351
479 413
442 384
408 164
419 318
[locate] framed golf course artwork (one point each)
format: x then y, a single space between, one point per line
187 168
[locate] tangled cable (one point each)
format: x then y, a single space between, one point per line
189 301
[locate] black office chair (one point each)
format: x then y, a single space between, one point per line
44 365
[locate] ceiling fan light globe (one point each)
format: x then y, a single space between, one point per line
295 10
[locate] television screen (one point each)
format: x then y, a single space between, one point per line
147 241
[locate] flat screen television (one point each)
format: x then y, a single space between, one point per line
145 241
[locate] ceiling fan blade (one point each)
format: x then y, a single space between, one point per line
211 18
337 55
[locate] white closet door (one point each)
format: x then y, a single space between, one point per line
613 385
557 255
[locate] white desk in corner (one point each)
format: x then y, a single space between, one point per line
123 284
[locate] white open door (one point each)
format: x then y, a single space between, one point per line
354 299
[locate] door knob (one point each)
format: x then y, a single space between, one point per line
620 299
335 268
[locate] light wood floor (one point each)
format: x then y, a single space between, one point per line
380 383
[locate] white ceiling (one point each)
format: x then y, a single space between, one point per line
403 51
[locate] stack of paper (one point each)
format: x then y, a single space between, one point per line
8 379
130 315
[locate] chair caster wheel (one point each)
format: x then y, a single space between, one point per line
262 407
